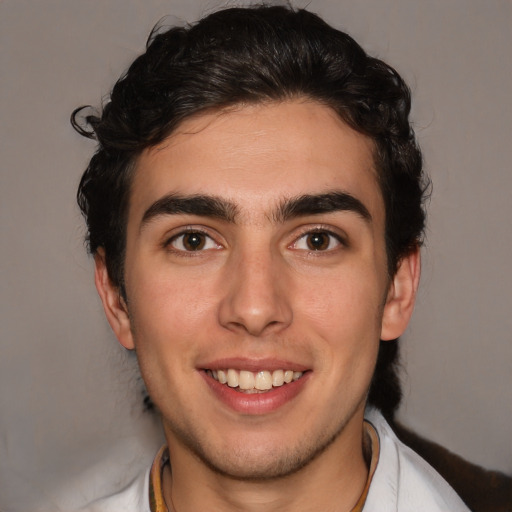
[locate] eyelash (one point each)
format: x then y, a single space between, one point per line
340 240
168 244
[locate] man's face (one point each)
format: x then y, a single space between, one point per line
255 243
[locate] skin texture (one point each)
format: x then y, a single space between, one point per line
259 289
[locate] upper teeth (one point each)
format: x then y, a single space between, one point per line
262 380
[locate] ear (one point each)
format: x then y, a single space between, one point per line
401 296
114 305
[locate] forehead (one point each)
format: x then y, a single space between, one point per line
258 155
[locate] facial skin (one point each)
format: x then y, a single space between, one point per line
253 277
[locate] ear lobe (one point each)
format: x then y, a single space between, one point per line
401 296
113 304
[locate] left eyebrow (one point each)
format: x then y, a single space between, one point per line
201 205
320 203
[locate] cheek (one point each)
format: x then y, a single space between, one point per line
169 318
344 314
346 300
169 311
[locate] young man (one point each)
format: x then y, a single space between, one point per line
255 213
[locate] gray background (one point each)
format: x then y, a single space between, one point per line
71 421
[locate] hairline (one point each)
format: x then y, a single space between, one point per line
224 109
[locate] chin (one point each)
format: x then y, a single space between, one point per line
266 461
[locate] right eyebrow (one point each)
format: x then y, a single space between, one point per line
201 205
315 204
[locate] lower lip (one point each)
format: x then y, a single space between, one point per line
256 403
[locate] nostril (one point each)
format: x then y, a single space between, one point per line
255 303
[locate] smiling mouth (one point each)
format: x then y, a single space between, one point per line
254 382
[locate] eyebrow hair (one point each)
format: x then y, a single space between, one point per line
216 207
314 204
202 205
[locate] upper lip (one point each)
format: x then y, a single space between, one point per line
253 365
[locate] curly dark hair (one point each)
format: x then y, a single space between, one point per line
248 56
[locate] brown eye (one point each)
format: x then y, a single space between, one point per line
194 241
318 241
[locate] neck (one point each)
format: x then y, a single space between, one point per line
332 482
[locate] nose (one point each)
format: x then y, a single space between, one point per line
256 298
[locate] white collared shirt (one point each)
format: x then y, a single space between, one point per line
402 482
